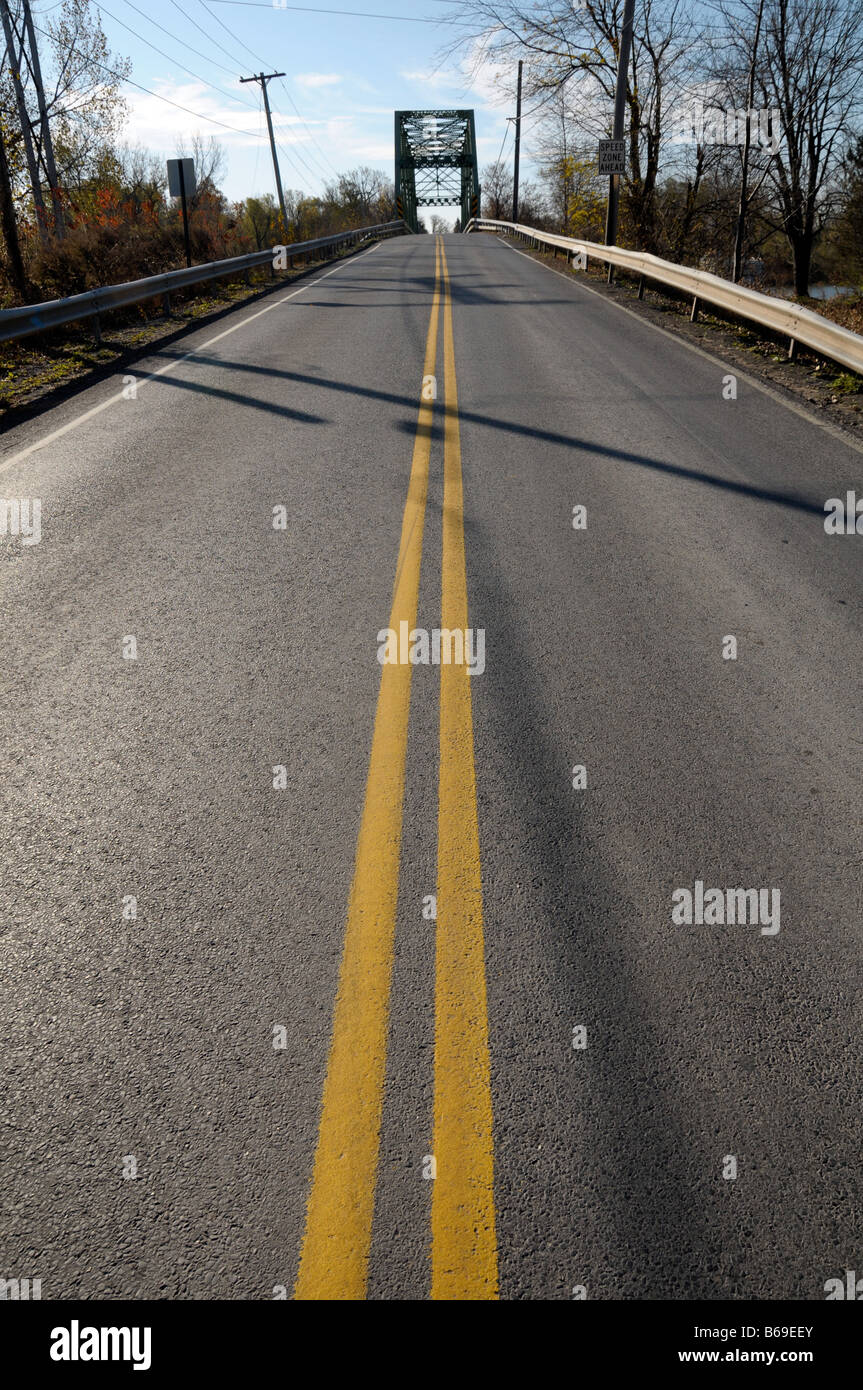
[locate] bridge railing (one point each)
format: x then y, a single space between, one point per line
803 327
54 313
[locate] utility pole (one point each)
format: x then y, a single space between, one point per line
743 205
619 116
517 146
47 145
23 117
264 78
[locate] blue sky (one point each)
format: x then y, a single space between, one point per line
346 73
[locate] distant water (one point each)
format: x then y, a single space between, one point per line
815 291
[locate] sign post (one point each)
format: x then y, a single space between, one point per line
181 184
625 47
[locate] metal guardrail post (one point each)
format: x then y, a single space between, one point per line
55 313
802 327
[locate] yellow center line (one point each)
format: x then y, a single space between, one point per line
334 1259
464 1244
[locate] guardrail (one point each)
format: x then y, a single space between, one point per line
38 318
803 327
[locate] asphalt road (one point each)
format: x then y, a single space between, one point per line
283 1039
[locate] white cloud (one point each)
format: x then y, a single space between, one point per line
318 79
439 78
157 124
480 80
350 146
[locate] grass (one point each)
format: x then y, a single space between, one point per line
847 384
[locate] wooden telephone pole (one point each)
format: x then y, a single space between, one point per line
264 78
515 175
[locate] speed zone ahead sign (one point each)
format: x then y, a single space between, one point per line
612 156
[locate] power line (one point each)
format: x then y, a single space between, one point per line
315 173
130 81
306 128
502 143
257 57
355 14
195 25
258 147
162 54
232 72
291 158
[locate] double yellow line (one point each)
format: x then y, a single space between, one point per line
335 1253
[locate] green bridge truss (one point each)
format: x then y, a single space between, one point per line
436 163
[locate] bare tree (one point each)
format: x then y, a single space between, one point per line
745 194
82 81
849 228
210 163
562 44
569 172
85 104
363 195
811 70
496 184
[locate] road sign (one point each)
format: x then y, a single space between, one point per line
181 184
612 156
181 178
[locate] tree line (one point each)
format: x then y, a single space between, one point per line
743 127
744 145
106 215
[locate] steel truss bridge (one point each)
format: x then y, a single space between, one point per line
436 163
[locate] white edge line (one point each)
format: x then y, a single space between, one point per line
171 366
796 409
